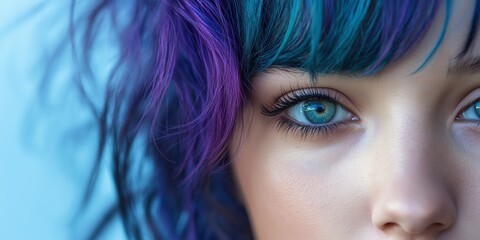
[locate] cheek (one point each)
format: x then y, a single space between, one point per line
293 189
296 188
467 177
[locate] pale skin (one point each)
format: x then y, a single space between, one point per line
405 165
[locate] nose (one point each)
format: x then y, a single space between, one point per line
412 208
411 194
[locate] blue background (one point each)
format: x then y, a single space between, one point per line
47 137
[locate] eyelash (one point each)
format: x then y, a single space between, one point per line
293 97
306 130
290 98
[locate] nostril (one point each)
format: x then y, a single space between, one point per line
411 222
440 226
388 226
391 227
412 215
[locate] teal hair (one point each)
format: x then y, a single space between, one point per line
184 73
334 37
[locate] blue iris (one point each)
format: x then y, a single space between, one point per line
477 108
321 111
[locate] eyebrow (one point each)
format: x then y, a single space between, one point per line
464 65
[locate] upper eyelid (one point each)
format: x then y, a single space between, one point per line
337 96
302 95
295 90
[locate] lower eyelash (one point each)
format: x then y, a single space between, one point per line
288 125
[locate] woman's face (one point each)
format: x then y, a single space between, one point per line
393 156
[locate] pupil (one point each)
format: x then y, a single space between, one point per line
477 108
320 109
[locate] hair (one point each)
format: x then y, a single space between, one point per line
183 74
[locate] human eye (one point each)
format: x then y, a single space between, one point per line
311 111
471 113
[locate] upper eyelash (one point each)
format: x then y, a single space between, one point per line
293 97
